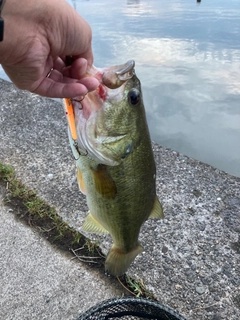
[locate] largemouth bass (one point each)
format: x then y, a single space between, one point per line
115 164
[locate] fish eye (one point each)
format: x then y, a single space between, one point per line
133 97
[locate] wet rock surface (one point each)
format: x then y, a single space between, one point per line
191 259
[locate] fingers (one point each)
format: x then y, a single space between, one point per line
52 89
59 64
67 81
67 89
76 70
90 83
88 55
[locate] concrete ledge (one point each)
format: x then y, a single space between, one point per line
191 260
38 282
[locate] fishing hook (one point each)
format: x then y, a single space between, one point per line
75 144
79 100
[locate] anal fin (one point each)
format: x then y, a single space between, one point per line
92 225
157 210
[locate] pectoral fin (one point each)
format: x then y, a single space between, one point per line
157 211
80 181
92 225
104 183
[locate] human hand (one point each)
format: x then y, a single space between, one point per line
38 36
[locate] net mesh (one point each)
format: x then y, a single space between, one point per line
129 308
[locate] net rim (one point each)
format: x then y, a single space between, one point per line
128 300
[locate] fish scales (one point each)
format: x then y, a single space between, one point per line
115 163
114 214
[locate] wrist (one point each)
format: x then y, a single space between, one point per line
2 2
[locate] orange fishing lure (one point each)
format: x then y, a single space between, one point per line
70 117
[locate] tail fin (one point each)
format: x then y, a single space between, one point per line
117 261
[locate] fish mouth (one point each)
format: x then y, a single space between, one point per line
110 78
115 76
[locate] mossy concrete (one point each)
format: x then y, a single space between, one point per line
191 260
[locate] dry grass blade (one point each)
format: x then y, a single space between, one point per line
83 258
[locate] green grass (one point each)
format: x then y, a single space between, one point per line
136 287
